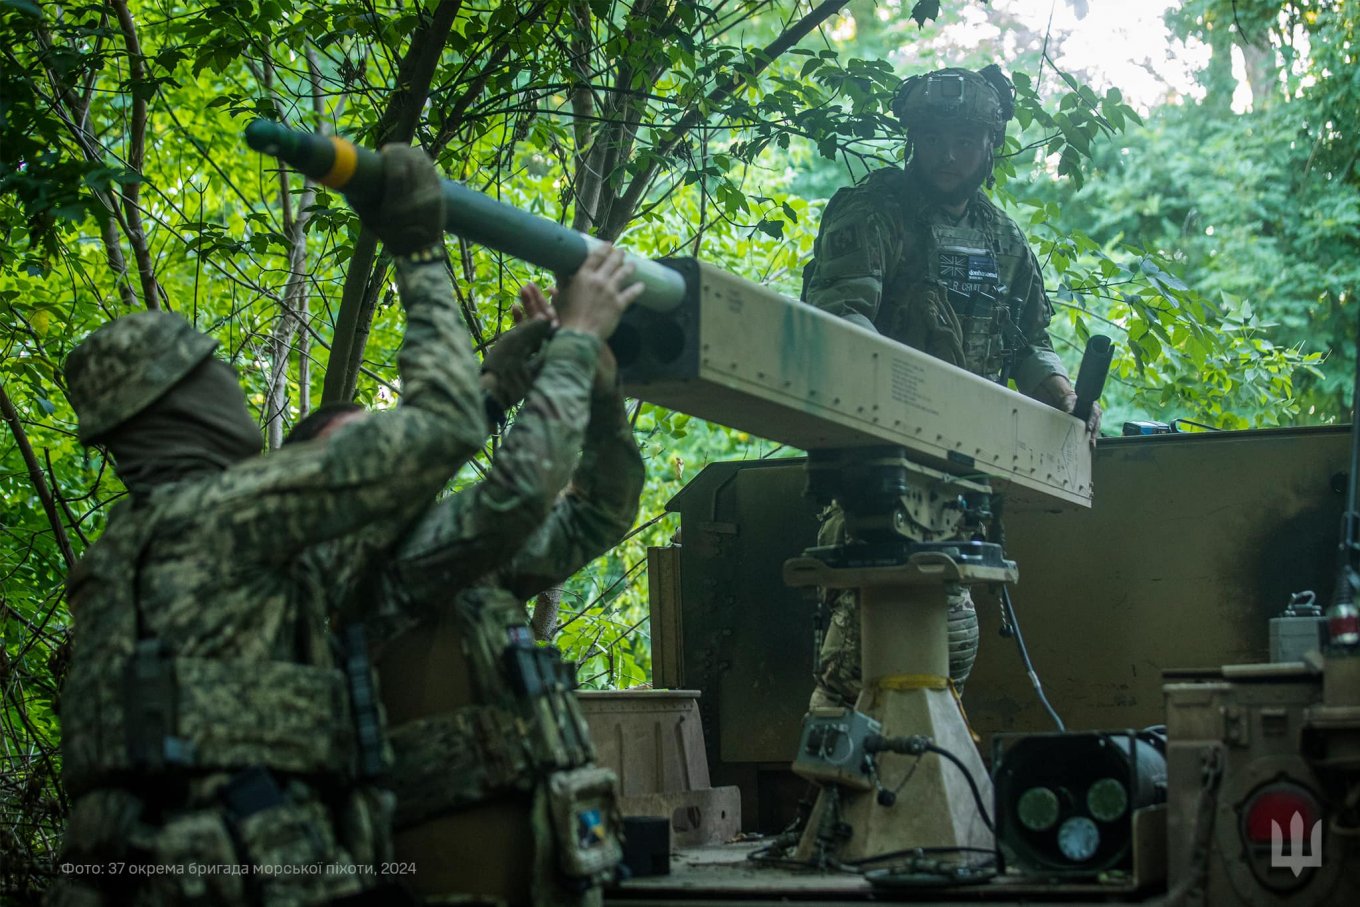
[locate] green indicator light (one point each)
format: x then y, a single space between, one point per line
1038 808
1107 799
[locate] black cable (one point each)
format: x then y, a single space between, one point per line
921 851
764 857
1175 422
930 867
972 785
1010 625
907 777
1009 611
788 838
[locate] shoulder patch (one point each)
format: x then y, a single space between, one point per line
843 241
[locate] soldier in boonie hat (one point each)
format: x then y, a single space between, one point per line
211 720
111 377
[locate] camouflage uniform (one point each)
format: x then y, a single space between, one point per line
512 529
520 736
207 727
967 290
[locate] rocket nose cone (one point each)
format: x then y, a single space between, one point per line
264 135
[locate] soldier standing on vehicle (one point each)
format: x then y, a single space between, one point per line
209 727
493 758
921 255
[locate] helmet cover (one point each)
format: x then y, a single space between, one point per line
128 364
984 98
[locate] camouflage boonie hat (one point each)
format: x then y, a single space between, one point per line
127 364
956 94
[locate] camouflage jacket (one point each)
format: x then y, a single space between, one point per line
216 579
514 530
969 292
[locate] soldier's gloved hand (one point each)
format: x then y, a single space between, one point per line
512 363
410 215
1058 392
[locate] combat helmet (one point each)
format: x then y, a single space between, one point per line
986 98
128 364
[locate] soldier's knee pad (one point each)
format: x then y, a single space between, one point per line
963 637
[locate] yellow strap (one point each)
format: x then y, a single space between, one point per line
927 682
912 682
342 169
964 712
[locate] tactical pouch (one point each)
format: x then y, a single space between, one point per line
525 727
205 860
206 714
287 837
286 834
529 681
373 756
930 324
103 826
526 665
151 699
455 759
586 823
365 824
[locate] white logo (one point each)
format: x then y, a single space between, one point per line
1297 862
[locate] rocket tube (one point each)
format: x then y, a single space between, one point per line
357 172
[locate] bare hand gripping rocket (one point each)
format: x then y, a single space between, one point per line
357 172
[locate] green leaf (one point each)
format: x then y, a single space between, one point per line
924 11
774 228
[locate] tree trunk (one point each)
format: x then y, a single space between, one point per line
35 476
1263 74
397 124
1218 79
290 319
132 211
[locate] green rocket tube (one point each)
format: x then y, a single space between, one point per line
357 172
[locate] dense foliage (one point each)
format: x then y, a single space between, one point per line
1218 247
1258 210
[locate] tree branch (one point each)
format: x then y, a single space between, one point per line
623 211
74 114
151 291
294 300
398 124
35 475
415 74
587 178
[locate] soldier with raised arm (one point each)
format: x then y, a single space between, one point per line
210 727
493 759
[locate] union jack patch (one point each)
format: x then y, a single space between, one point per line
953 266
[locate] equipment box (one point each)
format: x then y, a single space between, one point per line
1236 766
654 742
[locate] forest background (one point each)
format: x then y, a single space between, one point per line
1216 241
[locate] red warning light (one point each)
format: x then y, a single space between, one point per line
1279 804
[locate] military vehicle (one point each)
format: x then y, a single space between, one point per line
1195 738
